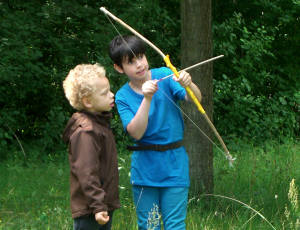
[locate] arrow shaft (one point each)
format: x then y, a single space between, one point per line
193 66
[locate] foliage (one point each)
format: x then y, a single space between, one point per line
41 41
256 85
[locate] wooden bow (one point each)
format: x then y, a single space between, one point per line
174 70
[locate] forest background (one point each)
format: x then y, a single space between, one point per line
256 86
256 105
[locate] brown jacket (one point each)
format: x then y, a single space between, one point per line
94 176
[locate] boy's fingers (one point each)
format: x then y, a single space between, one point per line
104 220
182 74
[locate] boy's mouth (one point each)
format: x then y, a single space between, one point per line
112 104
141 71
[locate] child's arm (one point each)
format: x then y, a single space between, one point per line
137 127
185 80
102 217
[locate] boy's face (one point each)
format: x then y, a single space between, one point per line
135 69
102 99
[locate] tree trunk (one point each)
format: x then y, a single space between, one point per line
196 46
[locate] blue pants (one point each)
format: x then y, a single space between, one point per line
171 203
89 223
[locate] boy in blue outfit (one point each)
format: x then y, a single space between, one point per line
159 163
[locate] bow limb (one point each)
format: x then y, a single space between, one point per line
133 31
174 70
200 108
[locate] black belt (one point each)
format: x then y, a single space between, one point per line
160 148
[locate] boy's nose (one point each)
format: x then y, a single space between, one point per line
138 63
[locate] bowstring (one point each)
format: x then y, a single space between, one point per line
121 36
167 95
192 121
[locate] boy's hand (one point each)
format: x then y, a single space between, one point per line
102 217
149 88
184 79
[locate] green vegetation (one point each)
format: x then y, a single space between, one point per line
256 86
256 107
34 193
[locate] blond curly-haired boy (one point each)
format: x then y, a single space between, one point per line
92 150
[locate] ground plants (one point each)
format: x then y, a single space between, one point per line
34 192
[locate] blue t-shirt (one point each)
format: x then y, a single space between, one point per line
165 126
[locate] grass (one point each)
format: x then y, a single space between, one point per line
257 193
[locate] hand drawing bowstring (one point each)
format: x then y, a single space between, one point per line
176 73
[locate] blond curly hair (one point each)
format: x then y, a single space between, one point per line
78 84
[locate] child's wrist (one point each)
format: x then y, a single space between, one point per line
147 98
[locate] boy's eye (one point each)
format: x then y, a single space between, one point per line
139 57
105 92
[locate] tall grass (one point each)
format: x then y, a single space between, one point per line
34 192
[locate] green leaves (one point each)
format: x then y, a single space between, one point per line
258 96
41 42
256 85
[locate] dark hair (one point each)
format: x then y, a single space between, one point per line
120 49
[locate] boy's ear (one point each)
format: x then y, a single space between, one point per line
86 102
118 68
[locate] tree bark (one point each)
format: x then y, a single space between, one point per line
196 46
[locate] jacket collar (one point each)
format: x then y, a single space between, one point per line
100 118
85 120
